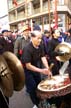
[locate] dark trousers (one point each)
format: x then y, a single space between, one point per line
32 79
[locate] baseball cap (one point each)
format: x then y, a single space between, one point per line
4 31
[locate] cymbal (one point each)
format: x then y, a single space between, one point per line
17 70
65 49
6 82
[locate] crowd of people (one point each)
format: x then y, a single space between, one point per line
36 51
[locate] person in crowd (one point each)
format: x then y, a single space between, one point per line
68 39
36 26
5 45
45 38
63 35
22 41
33 53
69 30
51 54
52 43
63 101
10 39
10 36
17 34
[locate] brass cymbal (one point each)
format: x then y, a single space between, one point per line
17 70
6 82
64 50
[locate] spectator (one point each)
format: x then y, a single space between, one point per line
45 39
52 43
36 26
5 43
22 41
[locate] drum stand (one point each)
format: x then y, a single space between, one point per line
4 98
44 104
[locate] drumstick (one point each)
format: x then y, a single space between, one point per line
50 67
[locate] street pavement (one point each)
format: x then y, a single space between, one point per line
20 100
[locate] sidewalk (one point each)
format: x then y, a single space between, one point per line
20 100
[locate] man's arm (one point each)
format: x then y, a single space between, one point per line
45 63
33 68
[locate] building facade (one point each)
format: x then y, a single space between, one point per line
44 12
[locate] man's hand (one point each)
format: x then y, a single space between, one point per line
46 72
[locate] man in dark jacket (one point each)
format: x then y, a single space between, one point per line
5 43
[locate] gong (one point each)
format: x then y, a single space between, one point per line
16 69
64 50
6 82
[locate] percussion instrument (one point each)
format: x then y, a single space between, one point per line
11 75
16 69
58 85
64 51
6 82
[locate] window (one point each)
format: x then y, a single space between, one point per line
61 2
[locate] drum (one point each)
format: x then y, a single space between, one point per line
58 85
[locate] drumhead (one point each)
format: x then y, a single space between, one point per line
56 83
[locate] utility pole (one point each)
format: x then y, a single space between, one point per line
55 14
49 14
